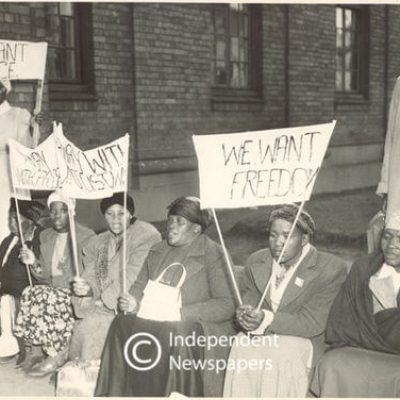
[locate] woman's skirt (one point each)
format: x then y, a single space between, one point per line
45 318
354 372
145 358
278 367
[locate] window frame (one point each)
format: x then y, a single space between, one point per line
363 40
252 93
84 87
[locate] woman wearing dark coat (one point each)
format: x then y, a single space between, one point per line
13 273
207 310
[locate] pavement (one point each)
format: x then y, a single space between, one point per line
341 221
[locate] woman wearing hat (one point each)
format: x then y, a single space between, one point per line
96 293
206 309
46 318
15 123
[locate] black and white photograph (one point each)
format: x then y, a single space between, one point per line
200 199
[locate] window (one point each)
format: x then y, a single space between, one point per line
70 65
352 36
236 63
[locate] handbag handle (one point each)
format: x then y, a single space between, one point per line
183 276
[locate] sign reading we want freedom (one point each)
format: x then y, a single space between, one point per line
261 167
22 60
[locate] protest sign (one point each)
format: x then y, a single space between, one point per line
262 167
34 168
22 60
95 173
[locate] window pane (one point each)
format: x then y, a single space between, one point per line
71 71
348 40
234 23
235 75
339 38
339 83
220 76
354 80
339 17
219 22
244 76
348 18
243 54
66 8
347 81
220 49
234 49
348 60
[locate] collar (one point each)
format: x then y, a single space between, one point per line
385 271
304 252
4 107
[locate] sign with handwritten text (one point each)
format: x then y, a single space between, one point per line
22 60
35 169
262 167
95 173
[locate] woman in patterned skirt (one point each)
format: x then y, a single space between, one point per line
46 317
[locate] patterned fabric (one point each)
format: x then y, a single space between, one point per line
281 276
45 318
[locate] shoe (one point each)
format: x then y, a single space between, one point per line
44 368
6 360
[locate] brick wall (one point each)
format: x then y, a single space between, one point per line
152 67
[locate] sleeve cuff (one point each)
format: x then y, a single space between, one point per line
266 322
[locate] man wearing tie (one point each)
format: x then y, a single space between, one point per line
300 292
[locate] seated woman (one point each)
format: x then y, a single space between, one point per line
13 273
207 308
46 318
291 324
364 328
96 293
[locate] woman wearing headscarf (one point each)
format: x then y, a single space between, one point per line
96 293
13 272
207 307
46 317
15 123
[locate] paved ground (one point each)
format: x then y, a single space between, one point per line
341 222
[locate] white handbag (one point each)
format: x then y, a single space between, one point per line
162 302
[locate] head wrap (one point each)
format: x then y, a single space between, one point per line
6 83
118 198
288 212
189 208
392 221
59 196
29 209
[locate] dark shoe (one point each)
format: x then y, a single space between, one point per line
44 368
29 362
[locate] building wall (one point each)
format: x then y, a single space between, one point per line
152 79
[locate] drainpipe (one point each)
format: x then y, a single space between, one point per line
286 65
386 72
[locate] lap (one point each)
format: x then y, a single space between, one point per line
355 372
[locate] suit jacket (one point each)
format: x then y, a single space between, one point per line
305 306
13 274
44 249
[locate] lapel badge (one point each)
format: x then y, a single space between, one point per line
299 282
